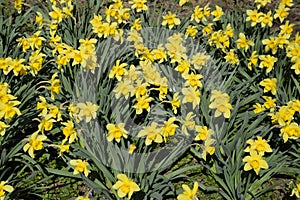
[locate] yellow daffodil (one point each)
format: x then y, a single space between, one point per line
69 131
188 123
5 95
169 128
140 89
220 102
287 28
97 25
116 132
142 103
171 20
198 14
80 166
35 143
192 79
87 46
269 102
208 147
56 14
217 13
124 88
259 145
39 19
118 70
63 148
18 5
5 63
284 116
243 42
207 30
54 85
9 110
73 111
139 5
281 12
17 66
176 50
203 133
252 61
191 95
125 186
183 66
87 110
136 24
262 3
258 108
46 124
133 73
4 187
3 127
290 131
189 194
36 41
230 32
255 162
288 3
36 62
231 57
200 59
270 44
296 191
182 2
152 133
268 62
269 84
253 16
266 19
134 36
175 102
160 53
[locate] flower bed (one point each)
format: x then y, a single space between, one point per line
139 100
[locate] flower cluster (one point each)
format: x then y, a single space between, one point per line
286 117
257 149
8 107
258 52
204 134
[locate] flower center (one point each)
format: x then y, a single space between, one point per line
254 164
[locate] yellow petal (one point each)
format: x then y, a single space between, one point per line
8 188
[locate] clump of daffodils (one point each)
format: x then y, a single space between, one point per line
257 148
285 117
206 136
8 107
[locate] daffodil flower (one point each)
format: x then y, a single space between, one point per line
35 143
125 186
